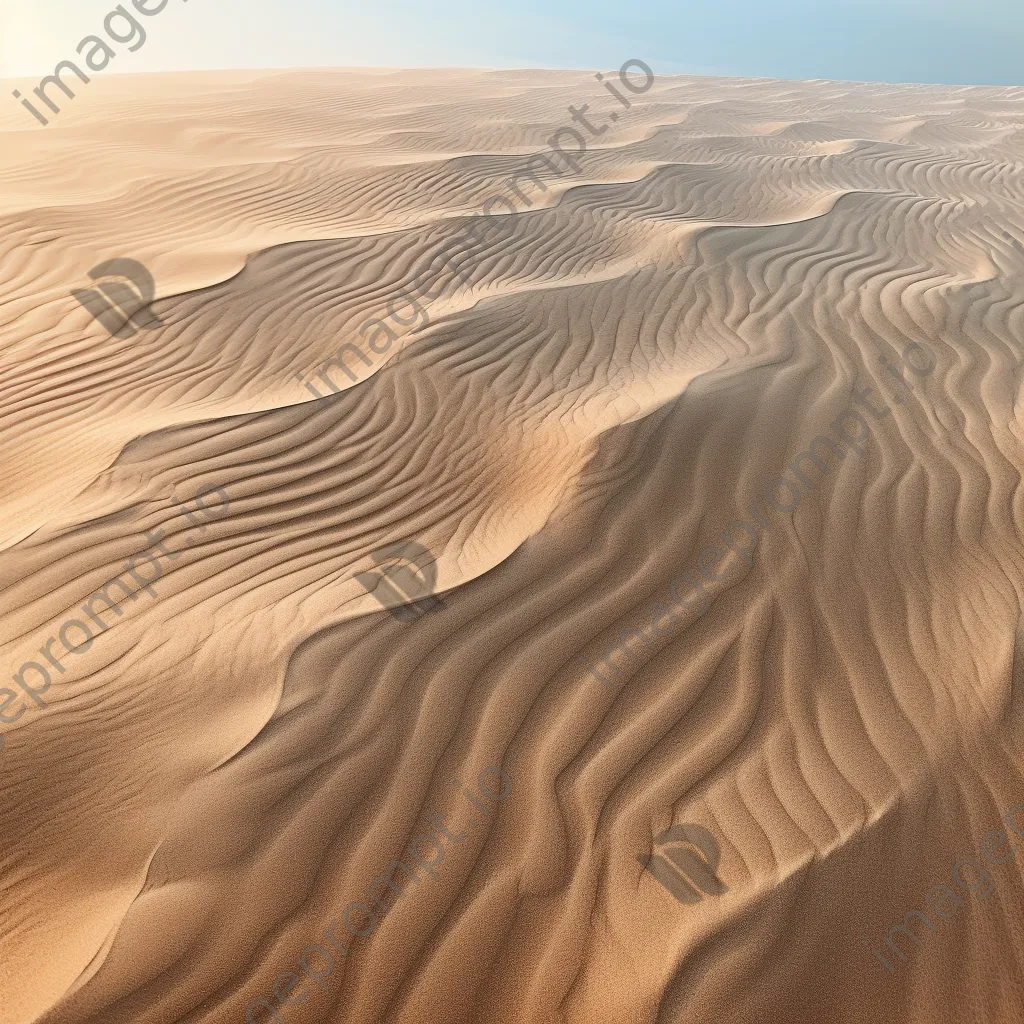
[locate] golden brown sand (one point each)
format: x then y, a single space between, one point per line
649 346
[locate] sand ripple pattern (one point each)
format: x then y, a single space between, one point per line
605 388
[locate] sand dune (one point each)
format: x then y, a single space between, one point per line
794 306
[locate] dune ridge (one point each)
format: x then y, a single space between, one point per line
642 352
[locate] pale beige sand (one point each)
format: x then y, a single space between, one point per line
234 760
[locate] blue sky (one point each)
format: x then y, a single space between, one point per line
944 41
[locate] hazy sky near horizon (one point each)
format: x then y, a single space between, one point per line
943 41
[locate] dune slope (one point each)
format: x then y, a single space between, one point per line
711 446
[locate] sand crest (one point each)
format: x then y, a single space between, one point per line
508 590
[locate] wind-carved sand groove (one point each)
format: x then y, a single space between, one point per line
602 390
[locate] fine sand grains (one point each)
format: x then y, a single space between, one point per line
635 359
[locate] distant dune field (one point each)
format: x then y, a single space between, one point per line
695 434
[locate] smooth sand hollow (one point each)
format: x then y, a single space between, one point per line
250 792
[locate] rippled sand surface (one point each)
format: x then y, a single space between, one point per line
612 382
